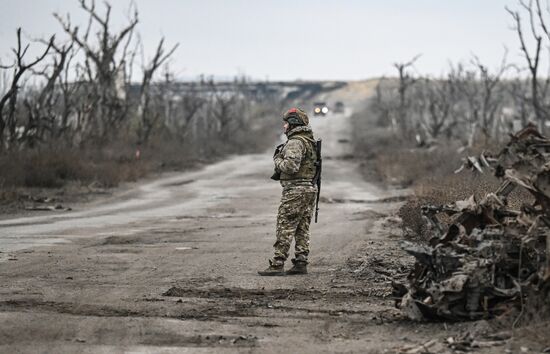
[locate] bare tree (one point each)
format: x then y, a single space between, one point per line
384 104
190 105
8 102
222 111
483 97
43 110
406 80
517 89
533 56
147 117
105 67
440 99
491 95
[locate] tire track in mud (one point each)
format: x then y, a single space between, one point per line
101 310
290 294
216 303
239 313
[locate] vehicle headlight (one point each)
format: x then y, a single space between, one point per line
317 110
324 110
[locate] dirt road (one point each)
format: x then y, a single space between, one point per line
171 267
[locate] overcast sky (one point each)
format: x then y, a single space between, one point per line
296 39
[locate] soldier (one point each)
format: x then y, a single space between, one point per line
295 167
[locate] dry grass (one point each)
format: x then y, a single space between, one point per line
25 172
50 172
52 168
406 166
389 159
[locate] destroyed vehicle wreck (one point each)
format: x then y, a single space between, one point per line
488 258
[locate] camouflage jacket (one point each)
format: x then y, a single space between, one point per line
296 161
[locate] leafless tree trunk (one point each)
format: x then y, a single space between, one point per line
440 100
517 89
405 82
533 57
105 67
147 117
491 95
191 104
8 101
42 111
223 111
384 105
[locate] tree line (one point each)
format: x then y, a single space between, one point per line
96 87
473 102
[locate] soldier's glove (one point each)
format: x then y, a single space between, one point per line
277 154
276 175
278 150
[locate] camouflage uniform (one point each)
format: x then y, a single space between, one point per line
296 162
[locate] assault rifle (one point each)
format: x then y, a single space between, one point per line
317 178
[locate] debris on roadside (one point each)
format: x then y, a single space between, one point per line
41 199
432 346
57 207
476 163
484 261
467 342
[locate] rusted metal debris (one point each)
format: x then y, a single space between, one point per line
484 261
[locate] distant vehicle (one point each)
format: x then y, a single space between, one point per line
320 109
339 107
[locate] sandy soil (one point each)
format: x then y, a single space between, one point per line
171 268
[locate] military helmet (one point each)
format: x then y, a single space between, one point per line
296 116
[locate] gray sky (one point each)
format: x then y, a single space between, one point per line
296 39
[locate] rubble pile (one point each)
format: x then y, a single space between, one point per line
488 257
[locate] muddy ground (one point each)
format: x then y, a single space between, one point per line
171 266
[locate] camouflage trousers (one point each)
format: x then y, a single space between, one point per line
293 219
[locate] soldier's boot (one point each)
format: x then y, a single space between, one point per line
299 267
273 270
